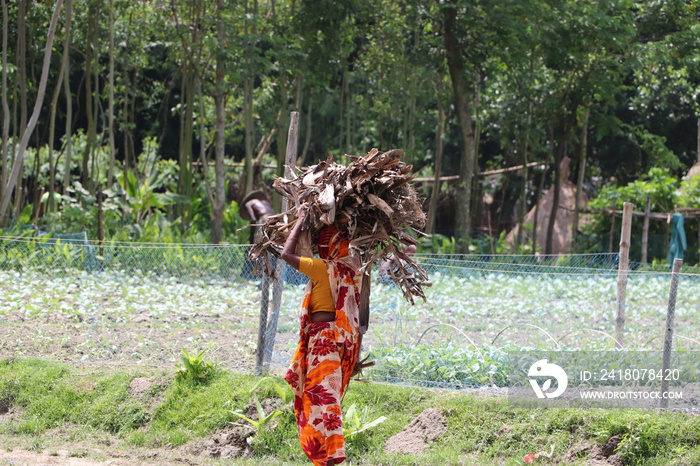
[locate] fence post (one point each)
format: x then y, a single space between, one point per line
622 271
278 282
611 240
645 231
262 323
668 339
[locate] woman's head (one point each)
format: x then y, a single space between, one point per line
331 243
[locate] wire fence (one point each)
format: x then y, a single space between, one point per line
140 304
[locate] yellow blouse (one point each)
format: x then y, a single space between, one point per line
316 270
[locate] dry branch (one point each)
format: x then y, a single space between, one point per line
371 200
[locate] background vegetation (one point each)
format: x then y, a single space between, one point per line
162 114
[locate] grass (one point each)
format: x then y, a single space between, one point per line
96 408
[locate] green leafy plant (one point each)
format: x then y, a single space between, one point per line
195 369
263 419
280 387
356 421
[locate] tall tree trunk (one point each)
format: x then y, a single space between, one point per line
68 158
5 106
558 156
524 147
110 105
51 204
435 194
89 113
349 110
248 117
341 107
461 93
219 97
203 143
307 137
248 101
22 71
186 138
22 63
540 188
579 179
35 114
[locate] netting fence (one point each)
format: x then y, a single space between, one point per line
140 304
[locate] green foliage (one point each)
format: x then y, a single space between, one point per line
262 421
436 367
356 420
437 244
658 185
279 386
195 370
689 194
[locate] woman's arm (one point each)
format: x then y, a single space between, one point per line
289 253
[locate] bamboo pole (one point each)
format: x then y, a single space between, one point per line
645 231
262 322
612 231
622 271
278 281
668 339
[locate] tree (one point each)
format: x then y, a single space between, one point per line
462 92
19 160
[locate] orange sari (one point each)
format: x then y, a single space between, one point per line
323 364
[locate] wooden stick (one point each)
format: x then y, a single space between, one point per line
486 173
668 340
278 283
622 271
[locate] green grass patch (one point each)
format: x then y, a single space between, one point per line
480 430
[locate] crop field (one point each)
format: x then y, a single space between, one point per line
472 316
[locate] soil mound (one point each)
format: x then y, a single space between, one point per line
414 438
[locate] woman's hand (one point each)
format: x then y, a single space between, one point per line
289 254
302 211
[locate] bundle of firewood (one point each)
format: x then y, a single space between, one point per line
371 200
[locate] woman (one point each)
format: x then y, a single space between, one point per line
329 341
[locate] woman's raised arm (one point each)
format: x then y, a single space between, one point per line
289 252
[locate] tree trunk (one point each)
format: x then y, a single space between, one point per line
524 147
579 178
461 93
22 63
435 194
22 71
307 138
35 114
91 123
558 156
248 103
186 136
5 106
540 188
51 204
68 159
220 196
110 105
249 133
203 143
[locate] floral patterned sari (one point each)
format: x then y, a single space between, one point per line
323 364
